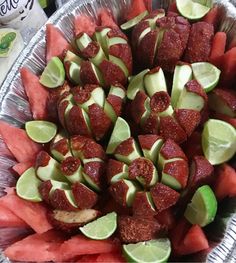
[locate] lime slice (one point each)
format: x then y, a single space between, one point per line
101 228
41 131
134 21
218 141
203 207
27 186
120 133
53 75
155 251
206 74
194 9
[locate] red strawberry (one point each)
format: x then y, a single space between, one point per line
194 87
193 146
84 196
179 170
123 52
63 200
170 129
142 207
91 149
88 74
95 171
171 150
77 144
99 121
116 103
76 122
160 101
146 141
112 73
138 106
188 119
163 196
114 168
45 189
200 173
135 229
166 218
150 126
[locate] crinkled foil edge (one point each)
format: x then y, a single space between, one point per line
14 107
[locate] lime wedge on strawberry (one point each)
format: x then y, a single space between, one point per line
194 9
120 133
27 186
203 207
53 75
41 131
101 228
206 74
155 251
218 141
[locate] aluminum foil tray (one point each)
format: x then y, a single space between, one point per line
14 108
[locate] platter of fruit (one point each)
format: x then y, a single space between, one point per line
118 135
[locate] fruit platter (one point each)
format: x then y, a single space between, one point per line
118 135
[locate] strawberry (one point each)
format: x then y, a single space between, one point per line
138 106
171 150
135 229
163 196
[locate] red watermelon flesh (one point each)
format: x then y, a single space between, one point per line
80 245
34 214
148 4
36 93
88 258
36 247
212 17
17 141
228 67
225 184
9 219
194 241
106 19
137 7
56 42
110 257
20 168
84 24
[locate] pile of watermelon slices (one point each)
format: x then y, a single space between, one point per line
94 97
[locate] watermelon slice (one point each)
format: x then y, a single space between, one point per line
9 219
86 24
34 214
106 19
229 67
148 4
80 245
88 258
212 17
36 247
17 141
110 257
137 7
20 168
194 241
225 185
218 48
56 42
36 94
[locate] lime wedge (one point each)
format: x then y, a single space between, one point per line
120 133
203 207
101 228
27 186
134 21
53 75
206 74
218 141
155 251
194 9
41 131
